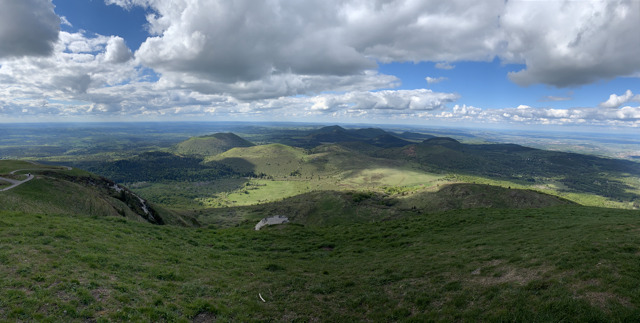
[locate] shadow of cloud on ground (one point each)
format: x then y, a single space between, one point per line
239 165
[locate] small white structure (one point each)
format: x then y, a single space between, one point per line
278 219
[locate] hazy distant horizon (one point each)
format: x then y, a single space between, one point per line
470 127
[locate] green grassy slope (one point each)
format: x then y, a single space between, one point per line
211 144
282 161
56 190
559 264
276 160
467 196
49 195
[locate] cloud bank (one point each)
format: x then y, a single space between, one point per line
561 43
318 57
626 116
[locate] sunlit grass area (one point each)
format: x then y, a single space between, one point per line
384 177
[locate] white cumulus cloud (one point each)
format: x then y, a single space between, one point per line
74 74
240 43
245 41
615 101
117 51
562 43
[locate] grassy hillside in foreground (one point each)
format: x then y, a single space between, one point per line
57 190
211 145
559 264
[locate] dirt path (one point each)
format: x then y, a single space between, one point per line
15 183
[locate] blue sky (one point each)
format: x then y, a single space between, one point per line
95 16
528 64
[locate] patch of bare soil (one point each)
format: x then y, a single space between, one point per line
499 273
100 294
601 299
204 317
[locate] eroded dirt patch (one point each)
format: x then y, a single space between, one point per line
602 299
204 317
495 272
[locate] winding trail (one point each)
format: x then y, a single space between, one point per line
15 183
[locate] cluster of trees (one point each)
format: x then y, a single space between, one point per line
162 166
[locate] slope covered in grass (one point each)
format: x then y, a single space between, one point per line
559 264
56 190
274 159
277 160
467 196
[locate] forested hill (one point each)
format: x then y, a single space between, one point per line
160 166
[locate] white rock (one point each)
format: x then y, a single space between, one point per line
278 219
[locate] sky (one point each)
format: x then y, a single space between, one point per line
492 63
